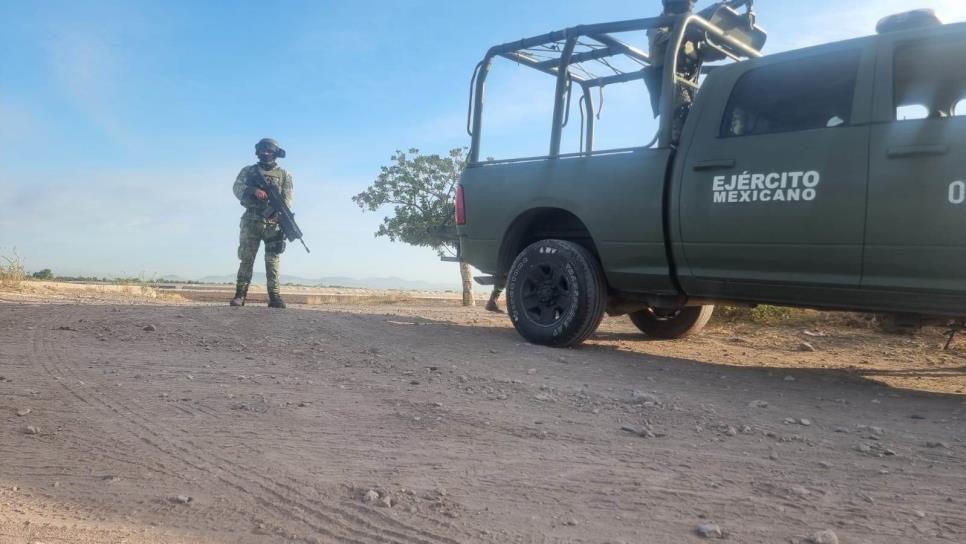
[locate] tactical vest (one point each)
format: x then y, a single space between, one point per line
275 176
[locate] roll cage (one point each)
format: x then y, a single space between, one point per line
725 33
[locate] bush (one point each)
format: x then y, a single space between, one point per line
11 271
759 314
771 314
45 274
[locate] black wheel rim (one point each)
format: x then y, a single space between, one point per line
546 294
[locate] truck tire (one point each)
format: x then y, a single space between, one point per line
671 325
556 293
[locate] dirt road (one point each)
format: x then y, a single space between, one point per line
166 423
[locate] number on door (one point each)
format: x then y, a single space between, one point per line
957 192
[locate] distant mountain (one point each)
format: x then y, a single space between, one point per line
341 281
259 277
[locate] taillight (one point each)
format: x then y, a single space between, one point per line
460 206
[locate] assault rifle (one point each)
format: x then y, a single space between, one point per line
740 27
278 210
733 4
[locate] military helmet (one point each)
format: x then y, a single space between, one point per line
679 4
272 145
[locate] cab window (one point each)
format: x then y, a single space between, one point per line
911 112
806 94
930 80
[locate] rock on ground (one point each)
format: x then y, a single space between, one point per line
709 530
824 537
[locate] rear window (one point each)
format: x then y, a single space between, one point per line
930 80
805 94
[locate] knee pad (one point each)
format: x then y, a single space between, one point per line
276 247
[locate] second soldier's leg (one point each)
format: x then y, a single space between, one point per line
248 242
491 305
274 247
684 100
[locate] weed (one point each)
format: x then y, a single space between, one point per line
758 314
11 271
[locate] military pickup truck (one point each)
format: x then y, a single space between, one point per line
831 177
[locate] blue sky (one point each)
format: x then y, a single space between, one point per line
123 124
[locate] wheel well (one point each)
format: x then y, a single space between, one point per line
542 224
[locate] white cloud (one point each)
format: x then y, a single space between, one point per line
87 71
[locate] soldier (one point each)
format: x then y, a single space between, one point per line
689 66
255 227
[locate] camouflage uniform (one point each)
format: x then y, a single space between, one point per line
256 229
689 69
498 288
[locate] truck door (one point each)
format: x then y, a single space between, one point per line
915 245
772 193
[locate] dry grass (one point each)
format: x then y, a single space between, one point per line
758 314
783 317
12 272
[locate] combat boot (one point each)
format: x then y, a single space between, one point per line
241 292
275 301
491 305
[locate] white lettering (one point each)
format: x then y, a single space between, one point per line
743 181
749 187
811 179
758 182
957 192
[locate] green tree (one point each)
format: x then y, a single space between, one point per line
45 274
420 188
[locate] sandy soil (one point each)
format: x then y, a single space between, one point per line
433 424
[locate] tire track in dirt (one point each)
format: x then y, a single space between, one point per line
145 434
348 505
515 466
89 441
357 527
519 437
142 430
733 501
75 410
301 330
321 507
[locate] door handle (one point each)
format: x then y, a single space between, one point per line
909 151
717 164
